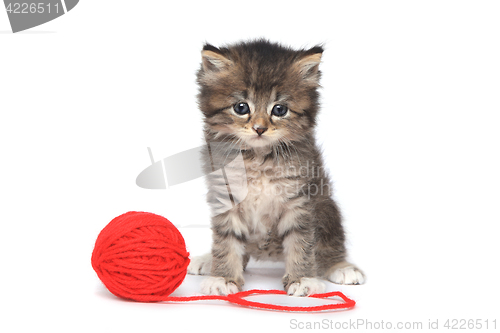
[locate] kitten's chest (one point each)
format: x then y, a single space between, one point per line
266 199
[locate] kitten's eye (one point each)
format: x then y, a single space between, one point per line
279 110
241 108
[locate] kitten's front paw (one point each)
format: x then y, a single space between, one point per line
347 275
218 286
200 265
306 287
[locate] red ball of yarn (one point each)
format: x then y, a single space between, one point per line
140 256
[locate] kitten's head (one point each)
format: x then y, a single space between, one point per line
259 92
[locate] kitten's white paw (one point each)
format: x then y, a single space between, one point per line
218 286
347 275
200 265
306 287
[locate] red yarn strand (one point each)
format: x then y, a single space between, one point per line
238 298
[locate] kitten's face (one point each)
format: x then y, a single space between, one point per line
260 93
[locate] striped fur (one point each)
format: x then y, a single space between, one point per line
288 212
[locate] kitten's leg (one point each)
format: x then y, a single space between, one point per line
228 251
227 266
299 263
330 251
202 265
345 273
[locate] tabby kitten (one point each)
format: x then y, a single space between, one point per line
260 99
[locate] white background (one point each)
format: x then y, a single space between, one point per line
409 127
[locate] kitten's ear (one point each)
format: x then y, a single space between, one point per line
213 59
308 63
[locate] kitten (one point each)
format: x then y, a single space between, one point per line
261 100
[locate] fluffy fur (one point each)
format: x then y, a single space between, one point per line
286 211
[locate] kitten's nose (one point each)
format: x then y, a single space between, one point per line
260 130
